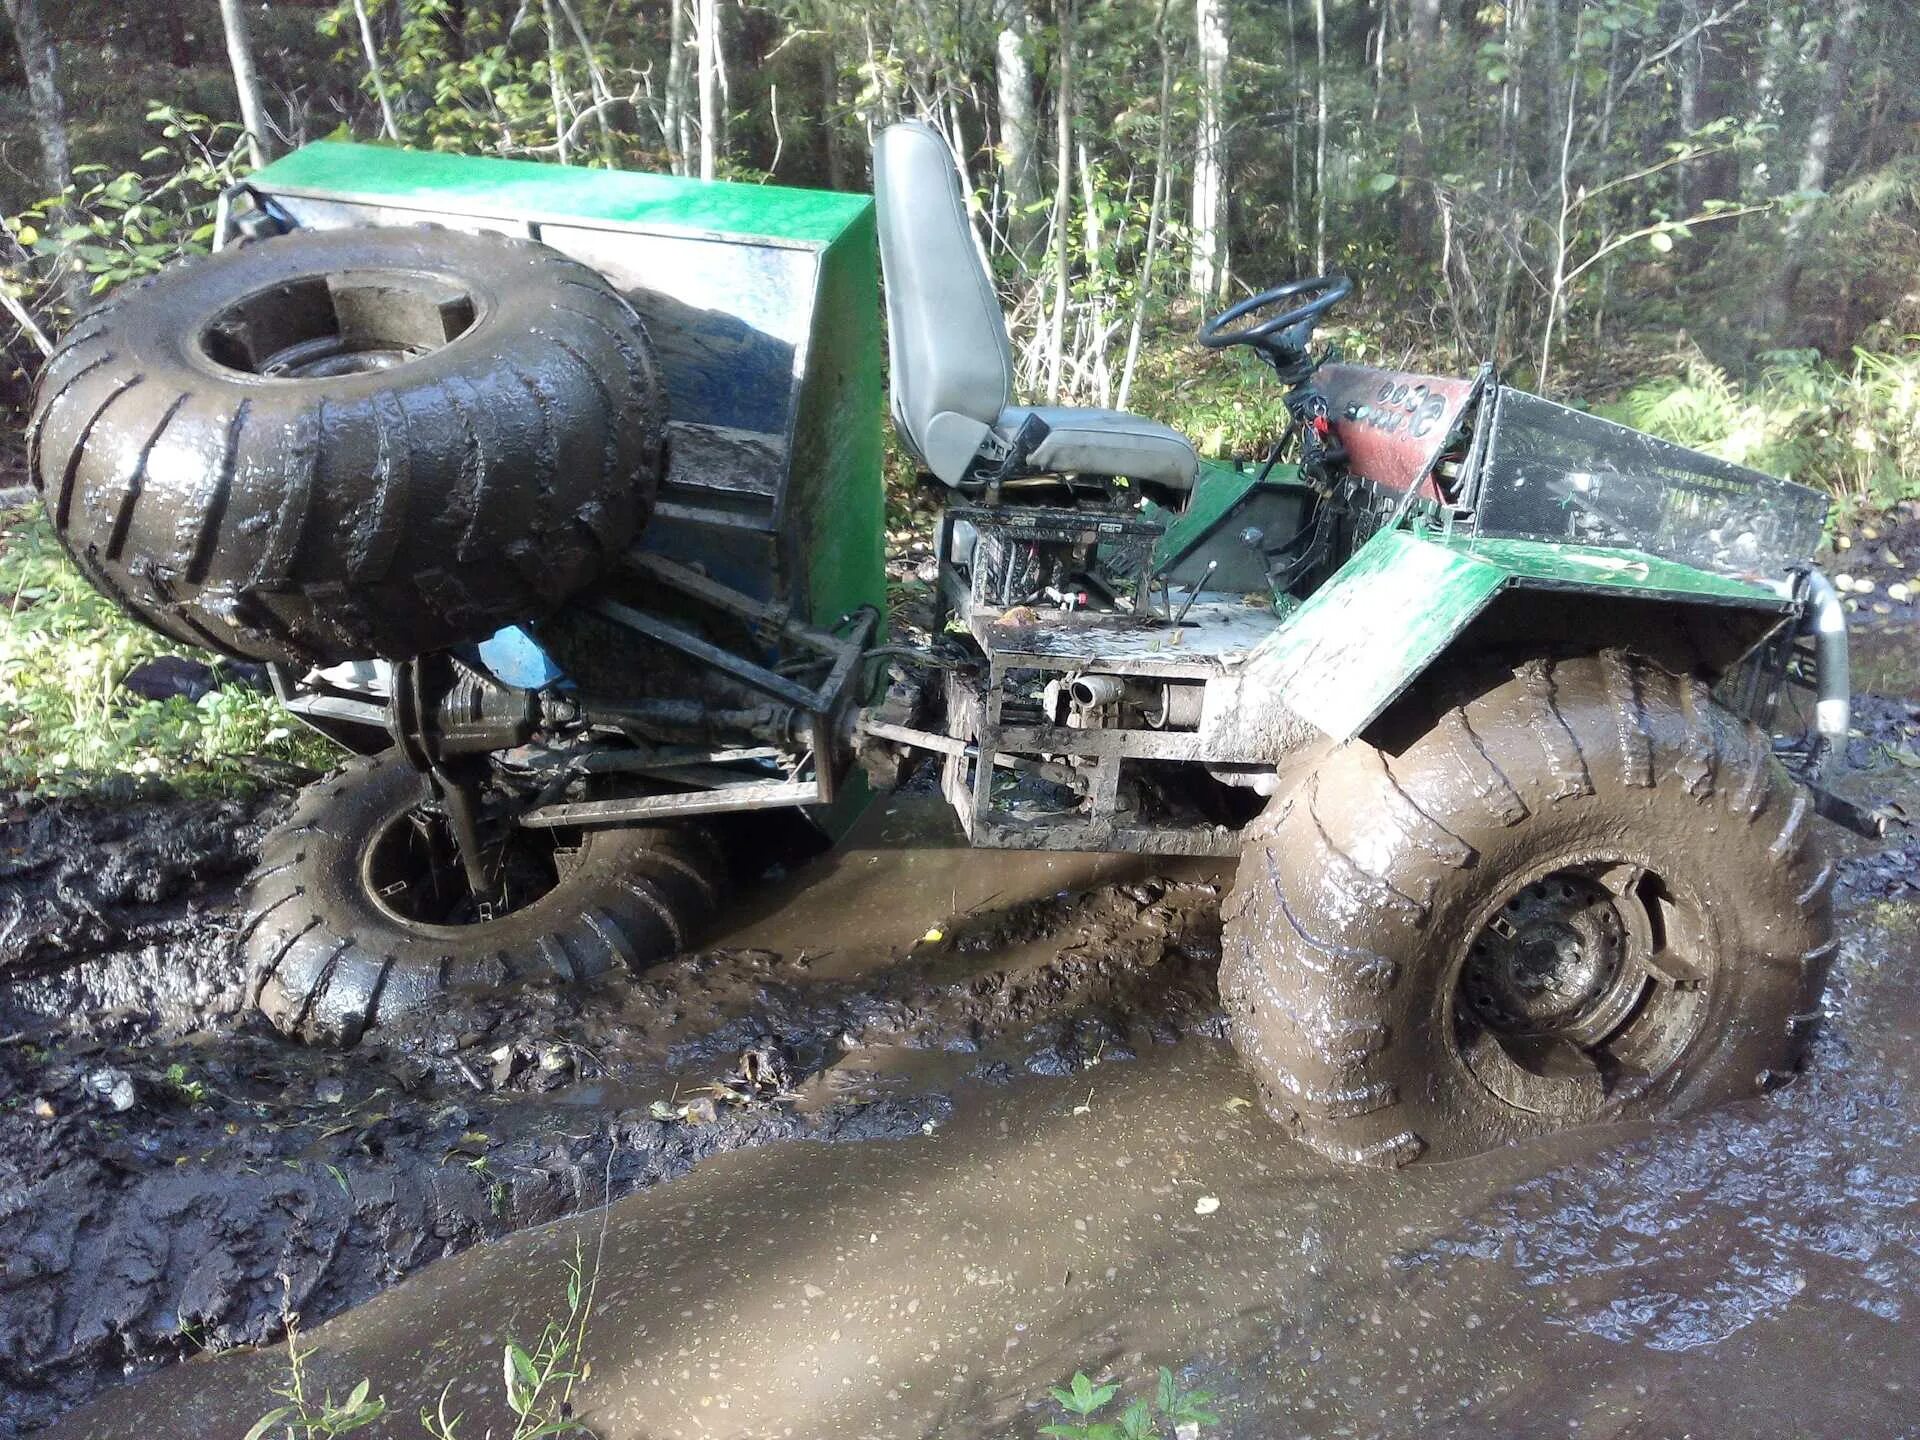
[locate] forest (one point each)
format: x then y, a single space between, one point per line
1703 212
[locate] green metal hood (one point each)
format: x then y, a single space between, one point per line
537 192
1363 637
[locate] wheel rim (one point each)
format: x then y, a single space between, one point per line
347 324
411 870
1582 987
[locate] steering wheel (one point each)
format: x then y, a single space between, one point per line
1282 338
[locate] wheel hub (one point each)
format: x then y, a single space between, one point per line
1548 958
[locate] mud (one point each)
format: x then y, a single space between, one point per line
1750 1272
173 1176
1037 1038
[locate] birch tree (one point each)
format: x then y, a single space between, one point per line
246 81
1320 136
1062 204
1019 124
676 124
1817 156
1207 275
707 37
374 71
42 66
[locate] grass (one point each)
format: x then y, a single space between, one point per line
68 724
537 1384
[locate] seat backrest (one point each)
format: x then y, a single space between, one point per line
951 366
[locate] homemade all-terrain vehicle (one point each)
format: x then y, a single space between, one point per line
557 494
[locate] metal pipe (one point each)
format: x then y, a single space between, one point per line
1833 705
1096 689
1179 705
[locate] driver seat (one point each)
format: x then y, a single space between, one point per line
951 379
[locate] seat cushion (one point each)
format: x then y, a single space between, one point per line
1106 442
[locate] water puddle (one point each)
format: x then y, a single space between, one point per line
1753 1271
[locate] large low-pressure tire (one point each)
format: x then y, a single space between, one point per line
342 929
348 444
1587 893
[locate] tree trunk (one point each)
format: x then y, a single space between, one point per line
1162 183
832 154
597 85
1816 159
1062 205
178 50
42 65
707 34
1775 51
556 86
1296 90
1320 137
1556 291
676 125
1416 199
246 83
374 71
1693 63
1019 125
1208 275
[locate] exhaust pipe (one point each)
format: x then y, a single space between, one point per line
1091 690
1833 689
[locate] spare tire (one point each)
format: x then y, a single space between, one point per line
349 444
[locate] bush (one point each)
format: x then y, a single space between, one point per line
1854 433
68 724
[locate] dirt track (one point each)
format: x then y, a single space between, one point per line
245 1174
1056 1210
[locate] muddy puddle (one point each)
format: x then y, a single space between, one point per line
1070 1174
173 1175
1754 1271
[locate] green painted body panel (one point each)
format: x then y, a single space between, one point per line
1225 497
537 191
1220 486
839 437
1384 616
1587 567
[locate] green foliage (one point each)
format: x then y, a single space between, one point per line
308 1417
1854 432
192 1092
112 227
64 650
1170 1412
537 1384
510 79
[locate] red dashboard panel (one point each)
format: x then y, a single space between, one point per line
1392 424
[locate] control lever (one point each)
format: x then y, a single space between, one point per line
1031 435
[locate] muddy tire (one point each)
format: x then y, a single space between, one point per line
344 444
335 943
1587 893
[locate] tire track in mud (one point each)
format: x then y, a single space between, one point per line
245 1175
